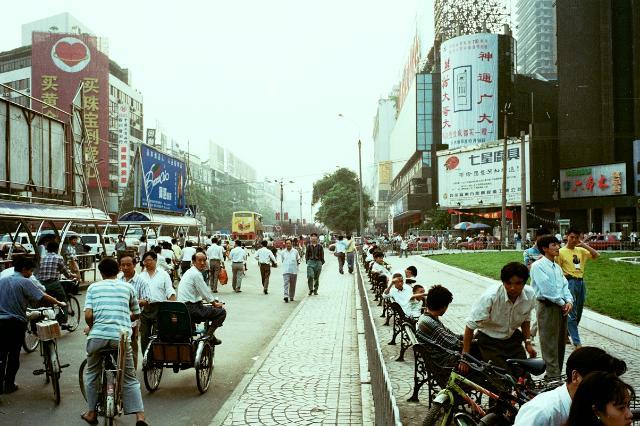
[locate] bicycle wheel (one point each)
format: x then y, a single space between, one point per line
73 320
30 342
204 366
53 368
438 415
81 378
152 373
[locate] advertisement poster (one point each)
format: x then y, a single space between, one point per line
469 70
163 181
636 164
593 181
472 177
59 64
123 146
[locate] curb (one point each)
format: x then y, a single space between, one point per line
366 392
619 331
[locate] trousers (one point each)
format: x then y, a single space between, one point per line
237 269
265 273
290 285
579 292
10 343
341 257
552 328
148 319
214 268
350 259
314 267
55 289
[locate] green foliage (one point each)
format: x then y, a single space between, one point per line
437 219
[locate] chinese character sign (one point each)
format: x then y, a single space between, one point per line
60 63
123 146
593 181
162 186
636 165
469 79
473 177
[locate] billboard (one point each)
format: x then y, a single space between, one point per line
59 63
469 80
162 186
593 181
636 165
123 145
472 177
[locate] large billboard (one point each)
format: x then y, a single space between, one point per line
123 146
59 64
472 177
469 80
593 181
162 182
636 165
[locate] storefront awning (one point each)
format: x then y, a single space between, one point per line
145 218
406 215
36 211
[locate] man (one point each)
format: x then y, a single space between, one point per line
378 266
351 252
160 289
411 273
265 258
187 253
71 254
16 293
51 266
401 293
129 276
341 252
237 256
215 254
551 408
501 319
121 245
403 246
110 306
532 254
193 290
289 259
177 251
572 259
314 256
554 304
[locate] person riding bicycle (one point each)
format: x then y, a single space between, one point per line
52 265
110 307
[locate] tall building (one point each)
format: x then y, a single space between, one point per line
537 47
460 17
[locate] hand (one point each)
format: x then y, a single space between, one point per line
217 304
62 304
86 330
529 348
567 308
463 367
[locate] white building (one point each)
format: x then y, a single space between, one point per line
537 46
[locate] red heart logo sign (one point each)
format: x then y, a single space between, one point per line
71 54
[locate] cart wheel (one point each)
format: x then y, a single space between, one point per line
73 321
204 365
152 373
30 342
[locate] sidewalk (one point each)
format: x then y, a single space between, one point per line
310 372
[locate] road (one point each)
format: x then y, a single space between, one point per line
252 320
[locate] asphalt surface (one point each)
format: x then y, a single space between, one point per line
252 320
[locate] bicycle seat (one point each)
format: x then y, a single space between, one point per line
535 366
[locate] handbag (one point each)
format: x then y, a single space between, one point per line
223 277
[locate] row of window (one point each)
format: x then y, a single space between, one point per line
126 99
15 64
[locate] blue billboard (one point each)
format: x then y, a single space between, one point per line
162 186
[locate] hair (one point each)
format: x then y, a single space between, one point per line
53 246
398 275
73 237
546 241
214 241
188 244
340 237
143 239
108 267
199 249
120 236
587 359
195 255
156 249
417 287
413 269
151 254
290 240
542 231
174 241
166 245
313 234
23 263
595 392
264 243
238 243
512 269
378 254
348 236
126 254
573 230
438 297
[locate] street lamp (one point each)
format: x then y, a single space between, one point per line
281 182
360 202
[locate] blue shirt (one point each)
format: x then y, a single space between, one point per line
16 292
549 283
531 255
112 302
341 246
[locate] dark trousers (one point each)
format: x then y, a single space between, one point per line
498 351
265 273
10 343
214 273
184 266
314 267
55 289
350 258
200 313
552 328
148 321
341 257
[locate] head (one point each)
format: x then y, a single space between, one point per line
174 241
541 232
288 244
188 244
166 245
214 241
53 246
573 237
378 257
73 240
238 243
264 243
108 268
417 288
149 260
143 239
549 245
601 399
314 238
199 260
121 237
127 265
411 271
514 276
349 237
588 359
340 237
438 299
398 280
24 265
157 249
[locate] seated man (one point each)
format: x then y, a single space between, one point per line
193 290
378 266
501 318
411 273
416 304
52 265
401 293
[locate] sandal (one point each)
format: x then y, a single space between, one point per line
141 423
86 419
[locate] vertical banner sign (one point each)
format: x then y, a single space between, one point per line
469 79
163 181
59 63
636 165
123 146
151 136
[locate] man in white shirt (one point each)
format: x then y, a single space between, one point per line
215 254
341 253
552 408
237 256
187 253
289 260
400 292
265 258
404 245
378 266
193 291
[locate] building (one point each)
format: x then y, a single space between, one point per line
537 47
460 17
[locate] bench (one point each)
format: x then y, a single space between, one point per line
401 323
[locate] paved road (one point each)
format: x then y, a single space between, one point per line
252 321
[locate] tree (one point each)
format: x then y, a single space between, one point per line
437 219
339 199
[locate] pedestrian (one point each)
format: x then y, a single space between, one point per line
176 248
128 275
181 240
187 253
314 257
142 249
554 304
71 254
121 245
215 254
404 246
289 260
340 253
51 267
265 258
16 293
237 256
351 252
573 259
532 254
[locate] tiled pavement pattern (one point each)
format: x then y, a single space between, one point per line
311 376
464 294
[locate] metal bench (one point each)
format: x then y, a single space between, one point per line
401 323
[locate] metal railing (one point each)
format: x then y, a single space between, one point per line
386 409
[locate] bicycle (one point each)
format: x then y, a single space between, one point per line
110 380
48 330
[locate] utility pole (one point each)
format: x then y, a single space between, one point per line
301 207
361 233
523 186
281 199
503 215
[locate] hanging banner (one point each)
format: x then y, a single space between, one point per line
162 184
123 146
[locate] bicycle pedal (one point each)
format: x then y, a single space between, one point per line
65 365
39 372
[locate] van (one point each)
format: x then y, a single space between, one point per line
95 248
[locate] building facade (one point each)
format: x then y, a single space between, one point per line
537 45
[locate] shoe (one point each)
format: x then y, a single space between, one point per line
215 341
215 291
315 293
91 422
65 326
292 299
310 292
10 389
238 291
286 300
141 423
265 291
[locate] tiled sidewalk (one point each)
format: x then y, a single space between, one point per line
311 374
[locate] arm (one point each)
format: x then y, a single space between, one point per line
526 334
88 317
64 269
467 339
593 252
168 288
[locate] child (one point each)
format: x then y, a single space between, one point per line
417 301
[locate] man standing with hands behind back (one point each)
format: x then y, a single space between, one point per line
315 259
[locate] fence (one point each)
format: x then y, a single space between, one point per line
386 409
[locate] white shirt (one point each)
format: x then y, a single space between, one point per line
237 254
403 245
160 288
168 254
380 269
289 260
215 252
10 271
496 316
549 408
192 287
187 253
264 255
401 297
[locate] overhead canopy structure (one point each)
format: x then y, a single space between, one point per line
153 219
33 211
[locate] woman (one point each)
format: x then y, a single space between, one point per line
601 399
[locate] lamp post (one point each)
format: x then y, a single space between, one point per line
281 182
360 200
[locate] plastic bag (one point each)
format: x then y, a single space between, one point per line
223 278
